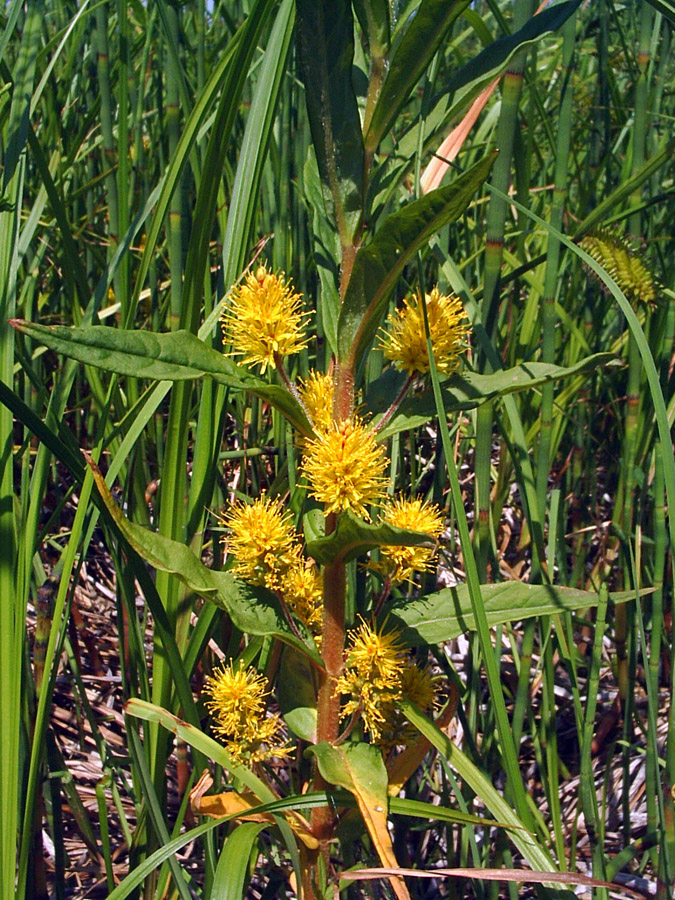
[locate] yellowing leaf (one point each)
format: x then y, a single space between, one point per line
359 768
241 805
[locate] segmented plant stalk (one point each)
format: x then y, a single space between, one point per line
12 609
623 514
496 224
552 272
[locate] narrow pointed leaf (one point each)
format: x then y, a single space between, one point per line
484 67
173 356
253 610
447 613
423 37
326 40
469 389
379 264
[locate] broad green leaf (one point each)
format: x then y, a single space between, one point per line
232 872
469 389
359 768
353 537
326 41
296 695
421 40
447 613
174 356
379 264
253 610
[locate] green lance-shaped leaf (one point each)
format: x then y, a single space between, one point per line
353 537
469 389
484 67
326 40
447 613
422 38
175 356
254 610
379 264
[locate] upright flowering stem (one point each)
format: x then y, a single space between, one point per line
333 634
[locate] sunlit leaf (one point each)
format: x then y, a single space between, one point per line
173 356
254 610
469 389
353 537
379 264
447 613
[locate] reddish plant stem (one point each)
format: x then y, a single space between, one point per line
328 704
333 633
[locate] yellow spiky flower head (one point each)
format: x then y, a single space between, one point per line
405 343
236 700
615 254
316 392
302 589
372 676
345 467
262 540
264 319
399 563
417 685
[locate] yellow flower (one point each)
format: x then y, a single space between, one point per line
262 541
237 704
406 343
417 685
316 392
399 563
345 468
372 677
264 319
302 590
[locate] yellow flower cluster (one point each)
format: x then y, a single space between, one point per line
316 393
268 554
377 675
237 704
372 677
417 685
345 466
264 320
399 563
406 343
262 541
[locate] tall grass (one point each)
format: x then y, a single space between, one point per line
151 153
